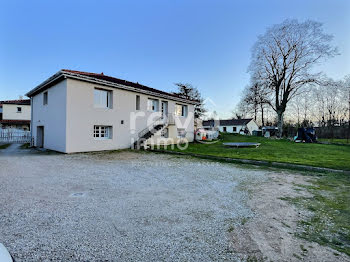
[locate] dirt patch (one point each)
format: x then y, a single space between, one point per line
270 234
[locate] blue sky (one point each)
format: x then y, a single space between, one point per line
156 43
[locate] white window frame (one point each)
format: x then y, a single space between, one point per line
19 109
165 133
153 105
181 110
181 133
102 132
100 101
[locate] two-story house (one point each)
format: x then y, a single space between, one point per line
76 111
15 114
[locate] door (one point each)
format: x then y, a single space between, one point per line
164 109
40 137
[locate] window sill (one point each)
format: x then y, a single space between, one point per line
96 107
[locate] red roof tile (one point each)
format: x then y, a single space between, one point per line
101 76
6 121
16 102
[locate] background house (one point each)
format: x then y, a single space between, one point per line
77 111
237 126
15 114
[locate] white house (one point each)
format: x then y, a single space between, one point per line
236 126
15 114
75 111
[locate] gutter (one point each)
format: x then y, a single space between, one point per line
125 87
43 84
105 83
31 121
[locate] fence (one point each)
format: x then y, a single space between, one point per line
321 132
15 136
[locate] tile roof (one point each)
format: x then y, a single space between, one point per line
16 102
228 122
98 77
104 77
19 122
235 122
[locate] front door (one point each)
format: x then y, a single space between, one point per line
164 109
40 136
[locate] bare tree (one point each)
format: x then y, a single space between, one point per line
256 97
188 91
347 90
241 110
301 108
282 59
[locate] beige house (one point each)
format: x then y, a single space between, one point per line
15 114
75 111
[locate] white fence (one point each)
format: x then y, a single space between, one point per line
15 136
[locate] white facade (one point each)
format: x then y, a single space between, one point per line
70 115
239 129
15 112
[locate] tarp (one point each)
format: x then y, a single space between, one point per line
306 134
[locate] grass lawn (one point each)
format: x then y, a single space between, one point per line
335 140
4 146
273 150
25 146
329 223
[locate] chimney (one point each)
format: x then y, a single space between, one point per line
102 74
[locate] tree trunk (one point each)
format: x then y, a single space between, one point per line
255 112
262 116
280 122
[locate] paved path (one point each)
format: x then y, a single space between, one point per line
12 149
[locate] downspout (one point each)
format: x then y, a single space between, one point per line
31 122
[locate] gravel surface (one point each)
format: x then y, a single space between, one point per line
121 206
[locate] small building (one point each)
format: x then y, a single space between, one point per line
74 111
268 131
235 126
15 114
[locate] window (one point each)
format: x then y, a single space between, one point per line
165 133
224 128
45 98
234 129
102 98
181 132
137 102
181 110
19 109
153 105
102 132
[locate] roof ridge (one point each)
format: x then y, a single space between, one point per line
126 82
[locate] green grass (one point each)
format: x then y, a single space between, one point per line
335 140
273 150
329 223
25 146
4 146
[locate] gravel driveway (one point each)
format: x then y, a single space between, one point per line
120 206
